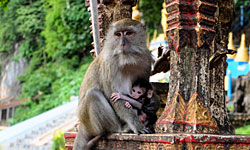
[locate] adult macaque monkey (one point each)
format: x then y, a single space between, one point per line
124 58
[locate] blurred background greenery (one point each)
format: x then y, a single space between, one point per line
54 36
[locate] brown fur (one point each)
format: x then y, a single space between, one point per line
112 71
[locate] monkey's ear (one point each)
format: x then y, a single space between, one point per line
150 94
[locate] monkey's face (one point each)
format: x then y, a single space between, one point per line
126 43
123 38
149 94
137 92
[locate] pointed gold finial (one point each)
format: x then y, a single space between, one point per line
249 55
164 16
242 52
148 39
135 13
230 45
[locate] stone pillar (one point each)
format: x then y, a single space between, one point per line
217 102
7 113
112 10
13 112
191 35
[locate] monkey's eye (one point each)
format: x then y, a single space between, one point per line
133 90
139 92
118 34
129 33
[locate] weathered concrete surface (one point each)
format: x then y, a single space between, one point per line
168 141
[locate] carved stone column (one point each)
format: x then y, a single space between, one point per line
112 10
191 34
217 102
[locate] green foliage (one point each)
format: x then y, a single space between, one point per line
243 130
30 23
8 37
238 3
30 20
8 33
54 36
21 23
151 14
3 3
67 29
53 32
54 84
59 141
76 21
230 108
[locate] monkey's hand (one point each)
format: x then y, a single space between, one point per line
143 117
116 96
127 105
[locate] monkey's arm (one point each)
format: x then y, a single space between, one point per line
116 96
130 117
133 102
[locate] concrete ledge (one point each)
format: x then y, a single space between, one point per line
167 141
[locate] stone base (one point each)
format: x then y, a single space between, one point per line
168 142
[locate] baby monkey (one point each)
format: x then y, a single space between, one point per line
140 101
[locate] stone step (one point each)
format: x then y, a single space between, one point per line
37 133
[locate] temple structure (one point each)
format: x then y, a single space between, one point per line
195 115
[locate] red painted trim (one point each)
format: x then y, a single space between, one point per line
69 147
70 135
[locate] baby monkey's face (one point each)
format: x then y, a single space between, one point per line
137 92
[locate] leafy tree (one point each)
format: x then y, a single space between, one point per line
55 37
76 21
3 3
29 24
151 14
21 24
48 87
67 29
8 33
